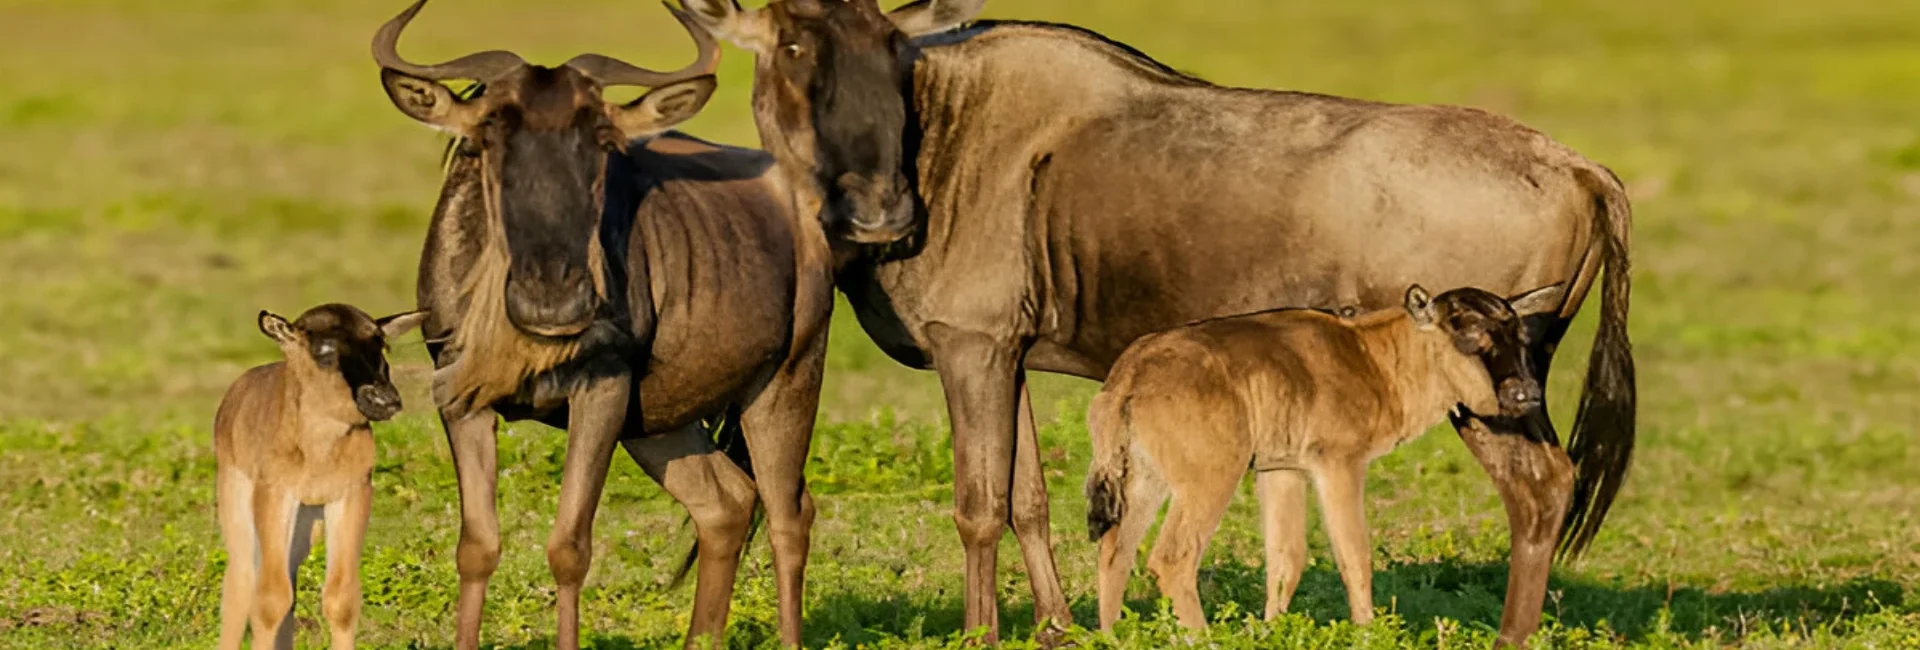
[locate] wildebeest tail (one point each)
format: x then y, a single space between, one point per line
729 438
1601 445
1107 477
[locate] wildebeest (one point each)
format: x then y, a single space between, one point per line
1011 196
590 271
292 446
1294 394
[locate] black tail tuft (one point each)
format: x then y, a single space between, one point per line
1105 505
1601 444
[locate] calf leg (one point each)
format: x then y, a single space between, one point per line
719 497
475 464
778 426
1283 518
1535 481
274 514
1145 493
234 502
596 412
1200 498
1343 508
346 535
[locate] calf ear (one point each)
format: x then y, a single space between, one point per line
748 29
1544 300
278 329
398 324
1420 307
428 101
663 108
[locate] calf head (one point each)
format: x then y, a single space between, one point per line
337 355
830 96
1489 328
543 135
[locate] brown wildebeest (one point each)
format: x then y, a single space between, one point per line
1016 196
1293 394
292 446
591 273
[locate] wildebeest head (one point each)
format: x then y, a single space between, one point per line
829 93
1489 328
338 352
542 135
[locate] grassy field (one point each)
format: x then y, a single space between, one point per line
168 168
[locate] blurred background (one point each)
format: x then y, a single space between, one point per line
169 168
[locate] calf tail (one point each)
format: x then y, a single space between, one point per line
1107 478
1601 445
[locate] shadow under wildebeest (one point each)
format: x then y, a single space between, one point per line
1469 593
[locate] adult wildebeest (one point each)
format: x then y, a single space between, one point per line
588 272
1293 394
1014 196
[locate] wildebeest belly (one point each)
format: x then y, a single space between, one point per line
1149 229
723 293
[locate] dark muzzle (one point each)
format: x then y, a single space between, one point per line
379 402
557 301
877 213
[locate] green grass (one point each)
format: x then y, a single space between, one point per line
166 169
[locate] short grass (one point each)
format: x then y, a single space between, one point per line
167 168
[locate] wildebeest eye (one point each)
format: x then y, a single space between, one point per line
792 49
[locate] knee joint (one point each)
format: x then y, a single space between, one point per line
478 555
569 559
981 528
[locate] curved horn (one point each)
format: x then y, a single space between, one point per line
610 71
479 66
931 16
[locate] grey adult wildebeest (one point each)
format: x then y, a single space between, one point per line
587 270
1015 196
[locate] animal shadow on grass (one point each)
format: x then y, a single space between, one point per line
1470 593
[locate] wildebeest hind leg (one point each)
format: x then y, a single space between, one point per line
1535 481
1200 498
1032 527
778 427
1283 518
719 497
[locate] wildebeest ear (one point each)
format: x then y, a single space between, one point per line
428 101
934 16
398 324
278 329
748 29
663 108
1420 307
1544 300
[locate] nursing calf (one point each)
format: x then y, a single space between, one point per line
1295 394
293 446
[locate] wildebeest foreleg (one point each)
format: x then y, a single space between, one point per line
778 426
1343 508
281 533
1535 480
978 374
597 411
719 497
1031 524
475 464
234 503
1283 518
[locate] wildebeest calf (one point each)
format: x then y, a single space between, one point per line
1292 393
293 446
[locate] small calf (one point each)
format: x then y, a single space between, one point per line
293 447
1291 393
